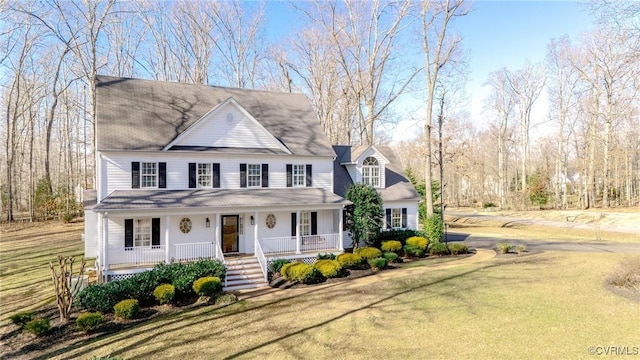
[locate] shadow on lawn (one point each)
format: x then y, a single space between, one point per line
179 321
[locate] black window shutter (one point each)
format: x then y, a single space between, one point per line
388 213
155 232
135 175
162 175
314 223
243 175
404 218
128 233
265 175
289 175
192 176
308 175
294 223
215 175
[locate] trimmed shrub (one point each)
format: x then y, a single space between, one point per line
22 318
89 321
327 256
207 286
504 248
300 272
368 252
413 251
396 234
438 249
328 268
457 249
127 309
103 297
391 246
349 260
378 263
434 228
38 327
277 264
164 293
418 241
391 257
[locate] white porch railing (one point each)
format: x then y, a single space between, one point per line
287 244
262 260
139 256
195 251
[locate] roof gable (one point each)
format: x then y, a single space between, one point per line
364 151
227 125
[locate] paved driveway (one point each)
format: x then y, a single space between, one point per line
482 242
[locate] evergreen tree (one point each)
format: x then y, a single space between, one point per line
365 216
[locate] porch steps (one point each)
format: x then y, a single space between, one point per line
244 273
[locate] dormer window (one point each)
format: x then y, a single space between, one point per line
371 172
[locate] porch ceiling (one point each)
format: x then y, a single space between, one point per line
217 198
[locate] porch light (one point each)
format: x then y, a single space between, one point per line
253 221
207 222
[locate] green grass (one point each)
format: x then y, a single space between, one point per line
550 305
547 305
25 253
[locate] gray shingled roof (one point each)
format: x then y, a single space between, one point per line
217 198
134 114
398 186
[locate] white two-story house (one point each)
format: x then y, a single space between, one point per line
187 171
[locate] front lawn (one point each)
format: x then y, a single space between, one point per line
549 305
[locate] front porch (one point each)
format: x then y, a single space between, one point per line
303 248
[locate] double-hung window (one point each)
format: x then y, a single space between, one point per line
371 172
204 175
305 223
148 174
142 233
254 175
396 218
299 176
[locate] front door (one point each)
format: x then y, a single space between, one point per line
230 233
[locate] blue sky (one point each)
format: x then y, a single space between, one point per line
511 33
495 34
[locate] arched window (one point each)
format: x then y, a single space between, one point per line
371 171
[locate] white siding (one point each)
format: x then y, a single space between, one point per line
91 234
117 174
412 211
228 127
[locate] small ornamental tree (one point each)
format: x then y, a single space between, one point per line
365 216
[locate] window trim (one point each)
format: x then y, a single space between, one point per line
254 180
371 172
139 230
202 175
396 218
299 179
148 176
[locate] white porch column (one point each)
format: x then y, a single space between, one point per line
216 236
255 231
340 232
105 241
167 250
298 238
